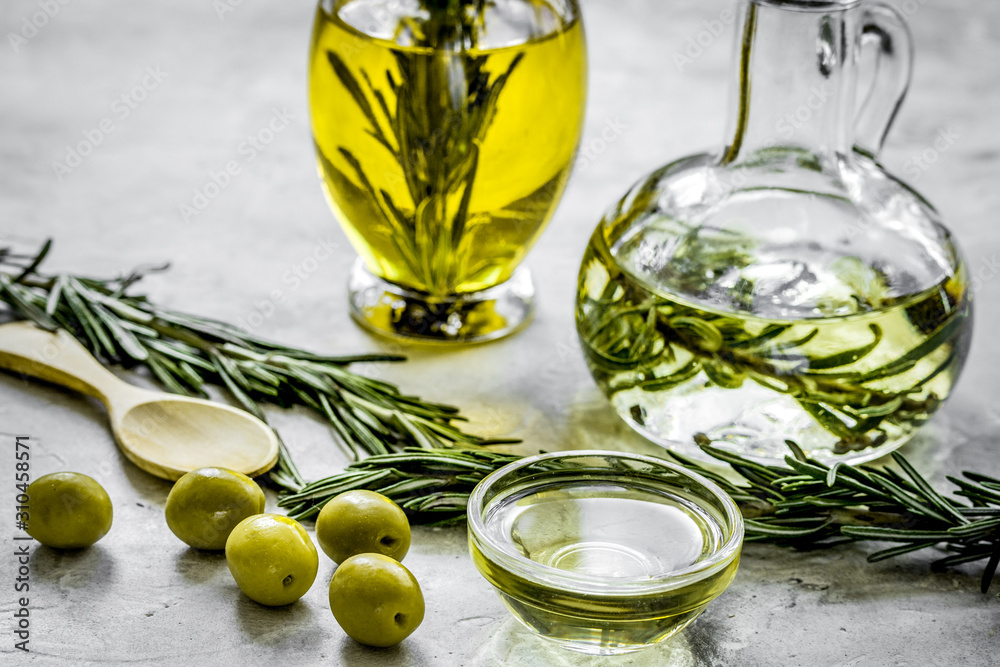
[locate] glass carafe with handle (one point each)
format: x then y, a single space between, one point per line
785 287
445 132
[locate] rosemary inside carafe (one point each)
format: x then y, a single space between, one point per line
678 369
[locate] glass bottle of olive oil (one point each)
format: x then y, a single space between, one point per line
734 373
445 133
786 287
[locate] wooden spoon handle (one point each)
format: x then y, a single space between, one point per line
55 357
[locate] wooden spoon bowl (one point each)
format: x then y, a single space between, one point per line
164 434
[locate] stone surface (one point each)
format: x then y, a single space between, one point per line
140 596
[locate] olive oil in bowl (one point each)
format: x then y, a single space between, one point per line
604 552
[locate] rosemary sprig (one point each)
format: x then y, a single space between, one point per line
803 504
429 114
185 353
431 485
808 505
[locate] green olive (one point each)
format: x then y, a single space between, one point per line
67 510
376 600
272 559
361 522
206 504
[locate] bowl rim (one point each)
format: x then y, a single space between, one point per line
555 578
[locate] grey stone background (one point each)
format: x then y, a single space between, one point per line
140 596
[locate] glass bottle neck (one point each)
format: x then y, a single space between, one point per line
795 78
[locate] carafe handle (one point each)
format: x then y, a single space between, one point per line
884 26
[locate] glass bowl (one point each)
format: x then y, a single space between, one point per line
604 552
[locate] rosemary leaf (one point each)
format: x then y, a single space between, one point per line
899 551
29 310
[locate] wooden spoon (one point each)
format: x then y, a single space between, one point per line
164 434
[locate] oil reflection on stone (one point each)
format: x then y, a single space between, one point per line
513 644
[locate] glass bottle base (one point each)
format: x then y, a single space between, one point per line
391 310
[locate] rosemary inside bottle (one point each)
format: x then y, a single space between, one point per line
846 387
444 148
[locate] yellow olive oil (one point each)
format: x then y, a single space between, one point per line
844 387
615 536
444 164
